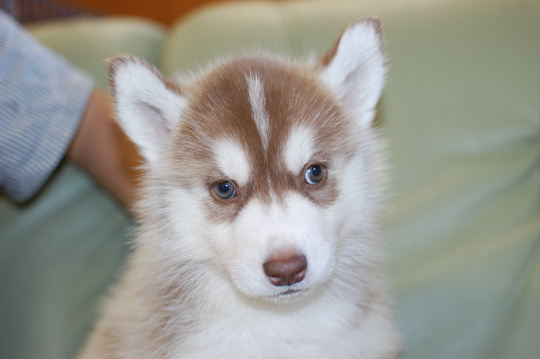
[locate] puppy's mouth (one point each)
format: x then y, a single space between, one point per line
289 291
290 294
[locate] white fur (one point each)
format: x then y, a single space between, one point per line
357 72
232 160
256 100
195 286
263 230
298 148
146 108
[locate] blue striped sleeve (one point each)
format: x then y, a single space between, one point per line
42 100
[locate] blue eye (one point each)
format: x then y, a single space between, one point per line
314 174
224 190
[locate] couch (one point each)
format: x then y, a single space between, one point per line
461 111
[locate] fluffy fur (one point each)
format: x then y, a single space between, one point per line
195 286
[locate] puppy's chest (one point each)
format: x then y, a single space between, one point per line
252 342
246 333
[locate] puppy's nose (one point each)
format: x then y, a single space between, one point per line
286 270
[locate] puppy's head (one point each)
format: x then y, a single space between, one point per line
258 166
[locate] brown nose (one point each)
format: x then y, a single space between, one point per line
286 271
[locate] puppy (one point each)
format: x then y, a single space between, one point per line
263 188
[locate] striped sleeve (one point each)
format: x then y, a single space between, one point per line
42 100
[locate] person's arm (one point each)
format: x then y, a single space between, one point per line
101 149
48 108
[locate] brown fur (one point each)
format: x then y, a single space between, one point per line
217 112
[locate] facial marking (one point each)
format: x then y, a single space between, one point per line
256 100
298 148
232 160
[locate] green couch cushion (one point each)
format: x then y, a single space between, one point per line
87 42
58 255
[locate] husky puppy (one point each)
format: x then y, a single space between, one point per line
258 233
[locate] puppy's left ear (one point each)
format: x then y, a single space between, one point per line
354 68
148 106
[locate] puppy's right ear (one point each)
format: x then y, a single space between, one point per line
148 105
354 68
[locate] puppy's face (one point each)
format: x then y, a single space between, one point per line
256 157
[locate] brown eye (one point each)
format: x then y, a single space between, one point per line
314 174
224 190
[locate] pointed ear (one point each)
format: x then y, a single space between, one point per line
148 105
354 68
